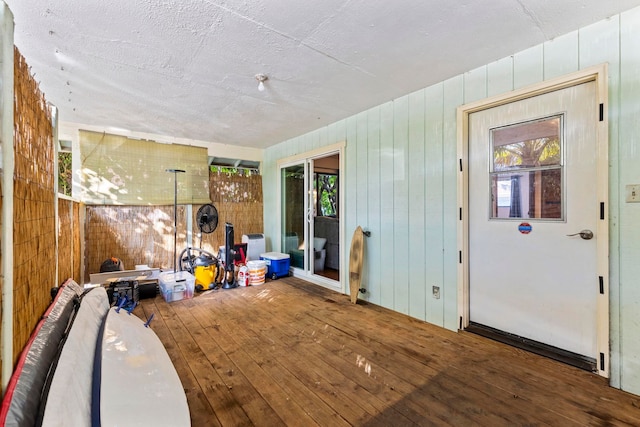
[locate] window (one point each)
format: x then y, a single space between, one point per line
527 170
65 173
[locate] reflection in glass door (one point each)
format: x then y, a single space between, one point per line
294 206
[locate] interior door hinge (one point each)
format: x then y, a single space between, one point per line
602 361
602 210
460 161
601 280
460 257
601 112
460 214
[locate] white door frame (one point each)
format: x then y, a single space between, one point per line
597 74
337 148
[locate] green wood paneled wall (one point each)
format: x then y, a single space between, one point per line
400 180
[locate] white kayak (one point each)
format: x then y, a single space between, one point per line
135 378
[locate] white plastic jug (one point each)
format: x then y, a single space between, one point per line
243 275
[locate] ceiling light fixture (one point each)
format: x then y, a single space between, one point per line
261 78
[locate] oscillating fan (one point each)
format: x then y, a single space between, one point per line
207 218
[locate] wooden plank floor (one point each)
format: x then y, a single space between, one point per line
292 353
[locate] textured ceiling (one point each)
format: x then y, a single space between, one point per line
186 68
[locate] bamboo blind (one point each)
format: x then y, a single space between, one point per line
34 222
69 250
77 222
65 240
117 170
144 234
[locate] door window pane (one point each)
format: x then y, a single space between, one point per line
293 212
527 170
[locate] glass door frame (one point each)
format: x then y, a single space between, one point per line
307 160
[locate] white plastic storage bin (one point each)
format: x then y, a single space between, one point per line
176 286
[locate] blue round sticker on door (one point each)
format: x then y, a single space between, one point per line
525 228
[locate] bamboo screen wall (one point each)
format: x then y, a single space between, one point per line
34 198
144 234
135 234
69 245
238 200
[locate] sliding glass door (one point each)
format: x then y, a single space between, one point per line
310 223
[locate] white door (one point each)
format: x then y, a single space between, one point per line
532 186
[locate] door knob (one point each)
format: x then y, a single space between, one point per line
584 234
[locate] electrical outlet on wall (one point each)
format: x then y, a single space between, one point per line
632 193
436 292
